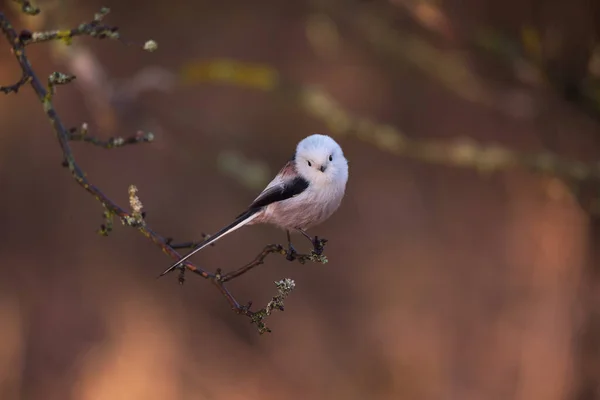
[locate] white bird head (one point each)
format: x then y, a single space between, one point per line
320 160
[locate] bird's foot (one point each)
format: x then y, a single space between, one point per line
291 253
319 245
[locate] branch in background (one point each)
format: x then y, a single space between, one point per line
459 152
373 25
136 217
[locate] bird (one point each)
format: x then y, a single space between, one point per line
306 192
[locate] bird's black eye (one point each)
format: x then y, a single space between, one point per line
309 164
330 158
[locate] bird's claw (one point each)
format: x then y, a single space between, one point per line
291 253
319 245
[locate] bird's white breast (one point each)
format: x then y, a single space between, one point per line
309 208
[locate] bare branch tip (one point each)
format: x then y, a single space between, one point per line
150 46
58 78
101 14
27 7
14 88
284 287
136 205
146 137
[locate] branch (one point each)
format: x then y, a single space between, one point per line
461 152
135 218
94 29
14 88
188 245
80 135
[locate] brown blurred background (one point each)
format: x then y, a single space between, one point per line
442 282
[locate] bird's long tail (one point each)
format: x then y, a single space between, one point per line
240 221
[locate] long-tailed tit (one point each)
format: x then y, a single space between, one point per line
305 192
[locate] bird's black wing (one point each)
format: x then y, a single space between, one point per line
282 191
278 192
286 184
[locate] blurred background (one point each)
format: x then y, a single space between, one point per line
463 263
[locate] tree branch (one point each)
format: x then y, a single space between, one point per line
81 135
136 217
14 88
188 245
93 29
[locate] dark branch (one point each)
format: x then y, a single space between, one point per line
81 135
188 245
15 87
94 29
136 217
260 259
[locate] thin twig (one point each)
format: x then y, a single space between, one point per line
14 88
260 259
188 245
94 29
81 135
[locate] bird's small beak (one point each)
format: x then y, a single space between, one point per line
322 168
